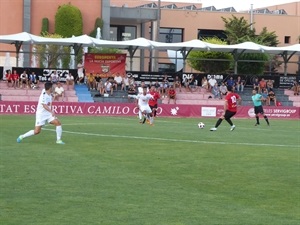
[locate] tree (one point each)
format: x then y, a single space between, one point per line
238 30
218 61
50 55
68 21
98 23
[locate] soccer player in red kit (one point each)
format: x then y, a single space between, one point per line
230 108
153 102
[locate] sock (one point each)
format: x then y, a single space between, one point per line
58 132
140 115
229 121
257 119
28 134
218 122
266 118
151 120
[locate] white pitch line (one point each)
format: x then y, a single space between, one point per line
174 140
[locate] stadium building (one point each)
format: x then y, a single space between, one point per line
156 20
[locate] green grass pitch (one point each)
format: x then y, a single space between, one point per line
115 171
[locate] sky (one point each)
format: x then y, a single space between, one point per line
237 4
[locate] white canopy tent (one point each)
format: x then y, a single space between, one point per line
141 43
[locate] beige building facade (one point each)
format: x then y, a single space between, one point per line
179 22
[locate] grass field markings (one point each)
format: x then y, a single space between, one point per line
185 124
174 140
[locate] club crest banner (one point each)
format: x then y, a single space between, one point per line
104 63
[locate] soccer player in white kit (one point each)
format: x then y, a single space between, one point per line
44 114
142 104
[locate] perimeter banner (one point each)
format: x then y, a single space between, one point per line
123 109
104 63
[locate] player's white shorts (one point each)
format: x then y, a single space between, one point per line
42 119
145 108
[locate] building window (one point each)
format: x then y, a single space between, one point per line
287 39
170 35
166 68
206 33
122 33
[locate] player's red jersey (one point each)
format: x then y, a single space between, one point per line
153 101
231 99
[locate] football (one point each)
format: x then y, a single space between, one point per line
201 125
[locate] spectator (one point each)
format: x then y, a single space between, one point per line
15 79
108 87
270 84
212 81
256 84
131 93
54 78
125 82
204 83
8 78
296 88
172 94
230 82
223 90
118 82
262 85
264 95
177 83
97 80
80 77
239 84
216 91
271 97
59 92
91 82
164 86
101 87
33 80
24 80
70 80
188 84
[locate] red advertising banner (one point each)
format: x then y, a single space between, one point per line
104 63
164 110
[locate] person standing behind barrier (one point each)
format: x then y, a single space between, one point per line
80 78
258 108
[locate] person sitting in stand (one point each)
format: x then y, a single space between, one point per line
172 94
97 81
271 97
91 82
15 79
59 92
230 82
223 90
239 84
204 83
296 88
8 78
118 82
131 93
33 80
24 80
177 83
70 80
264 95
54 78
125 82
256 84
262 85
216 91
108 87
270 84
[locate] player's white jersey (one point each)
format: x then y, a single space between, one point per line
143 99
44 99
